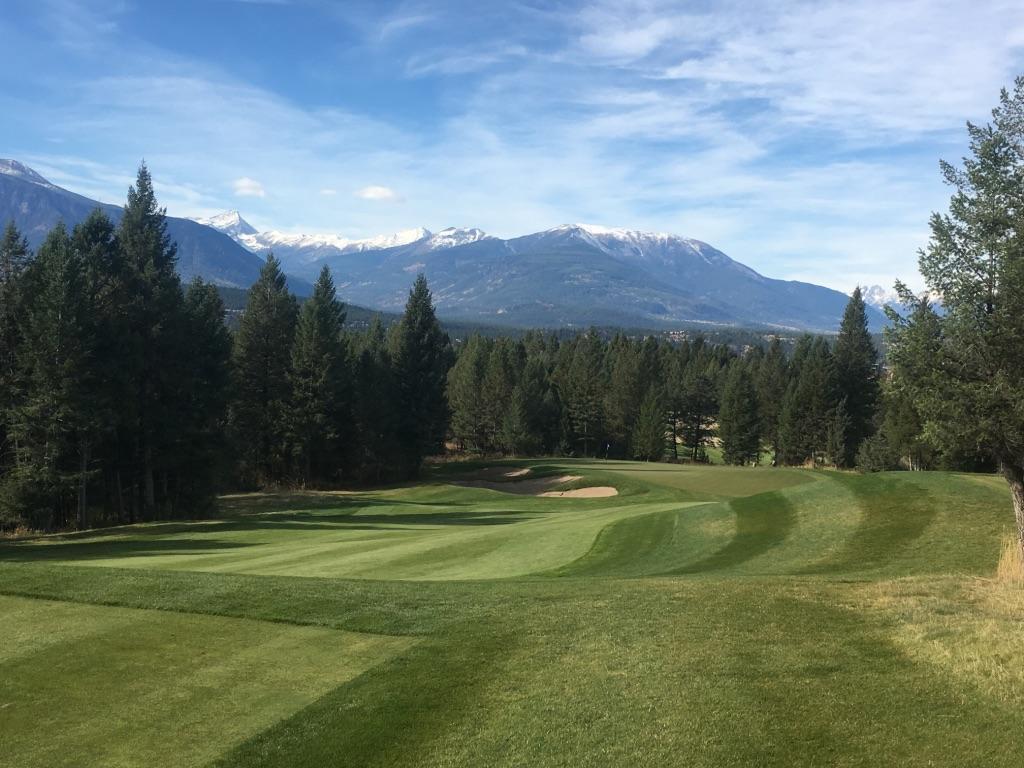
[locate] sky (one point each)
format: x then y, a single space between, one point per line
801 138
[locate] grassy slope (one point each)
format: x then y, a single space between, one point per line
782 617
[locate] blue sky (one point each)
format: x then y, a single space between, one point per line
801 138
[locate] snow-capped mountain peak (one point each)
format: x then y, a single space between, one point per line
877 296
21 171
453 236
229 222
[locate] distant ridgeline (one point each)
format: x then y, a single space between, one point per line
573 276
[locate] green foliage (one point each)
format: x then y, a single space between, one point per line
319 412
876 454
421 353
262 384
856 361
648 441
963 368
740 420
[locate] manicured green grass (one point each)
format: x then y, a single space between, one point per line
705 616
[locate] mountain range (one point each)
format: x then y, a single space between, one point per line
575 274
571 275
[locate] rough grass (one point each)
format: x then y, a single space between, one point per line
706 616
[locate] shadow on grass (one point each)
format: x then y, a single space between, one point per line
763 522
107 549
893 514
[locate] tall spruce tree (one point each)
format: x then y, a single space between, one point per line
52 419
964 368
739 418
319 413
772 377
421 354
648 435
156 326
200 465
14 256
375 406
262 387
856 361
465 394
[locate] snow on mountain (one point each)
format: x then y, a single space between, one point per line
22 171
648 247
453 236
306 248
877 296
230 223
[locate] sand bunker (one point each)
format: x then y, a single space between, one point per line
594 492
540 486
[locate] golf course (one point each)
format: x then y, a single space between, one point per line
544 613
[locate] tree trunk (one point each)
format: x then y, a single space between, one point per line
1014 474
150 486
82 486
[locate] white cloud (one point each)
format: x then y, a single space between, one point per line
328 192
377 194
246 187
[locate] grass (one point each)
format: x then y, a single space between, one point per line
705 616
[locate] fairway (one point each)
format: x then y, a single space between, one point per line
702 616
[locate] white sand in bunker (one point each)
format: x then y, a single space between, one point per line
593 492
540 486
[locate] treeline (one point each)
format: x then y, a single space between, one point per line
646 399
124 397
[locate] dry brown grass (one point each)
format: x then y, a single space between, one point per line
1011 564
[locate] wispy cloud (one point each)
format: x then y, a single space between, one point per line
378 194
800 137
246 187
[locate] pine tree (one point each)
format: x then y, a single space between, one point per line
856 361
51 419
262 388
648 437
14 256
375 406
771 391
582 387
465 394
699 408
964 368
157 359
318 413
739 418
421 354
202 445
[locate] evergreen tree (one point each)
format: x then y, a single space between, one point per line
963 369
156 360
739 419
52 420
202 445
700 406
318 415
856 361
516 435
772 377
14 256
465 394
421 354
375 406
582 388
262 365
648 438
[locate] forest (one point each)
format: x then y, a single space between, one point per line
125 397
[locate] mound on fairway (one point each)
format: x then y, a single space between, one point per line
706 616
